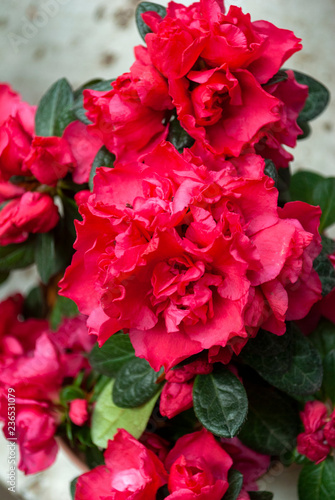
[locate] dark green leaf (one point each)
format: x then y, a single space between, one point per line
94 457
34 305
104 158
45 256
135 384
178 136
147 7
71 214
270 170
70 393
162 493
305 130
54 105
112 355
78 106
260 495
272 424
318 97
316 190
235 480
289 362
323 337
63 308
281 76
324 267
328 384
317 481
73 487
17 256
220 402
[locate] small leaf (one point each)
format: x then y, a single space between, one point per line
94 457
73 487
328 383
317 481
107 418
291 363
220 402
103 158
135 384
235 480
45 256
324 267
272 424
316 190
260 495
318 97
78 106
270 170
147 7
305 129
55 102
3 276
112 355
63 308
70 393
178 136
17 256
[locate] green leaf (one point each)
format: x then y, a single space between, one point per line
280 76
104 158
78 106
270 170
220 402
318 97
316 190
272 424
235 480
45 256
289 362
34 305
135 384
70 393
73 487
63 308
147 7
305 128
260 495
112 355
17 256
328 384
323 337
107 418
324 267
178 136
56 102
94 457
3 276
317 481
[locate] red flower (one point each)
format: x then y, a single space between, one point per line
198 468
78 411
131 471
211 255
311 443
33 212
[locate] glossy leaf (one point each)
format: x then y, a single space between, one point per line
17 256
316 190
147 7
49 119
220 402
272 423
324 267
45 256
280 76
178 136
63 308
112 355
235 480
323 337
318 97
107 418
317 481
70 393
78 106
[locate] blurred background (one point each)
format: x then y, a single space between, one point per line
43 40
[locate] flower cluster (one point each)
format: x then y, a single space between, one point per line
31 166
318 438
34 364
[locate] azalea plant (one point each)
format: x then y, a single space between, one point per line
182 335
